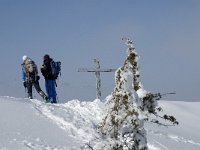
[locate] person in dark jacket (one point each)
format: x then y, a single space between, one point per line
50 83
30 77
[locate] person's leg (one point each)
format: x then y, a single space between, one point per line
54 94
51 90
47 88
29 89
38 89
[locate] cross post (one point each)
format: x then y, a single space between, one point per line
97 71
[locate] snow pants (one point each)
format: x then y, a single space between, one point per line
50 86
30 84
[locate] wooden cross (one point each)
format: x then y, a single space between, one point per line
97 71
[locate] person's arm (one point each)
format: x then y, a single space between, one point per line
43 70
23 74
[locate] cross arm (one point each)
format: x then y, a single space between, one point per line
86 70
95 70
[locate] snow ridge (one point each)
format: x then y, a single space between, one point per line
34 125
73 116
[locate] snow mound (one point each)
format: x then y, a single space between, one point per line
32 124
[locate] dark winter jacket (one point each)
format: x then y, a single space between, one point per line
46 69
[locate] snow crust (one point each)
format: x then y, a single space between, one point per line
32 124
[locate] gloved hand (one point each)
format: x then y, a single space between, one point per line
37 78
43 67
24 83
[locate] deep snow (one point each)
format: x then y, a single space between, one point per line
32 124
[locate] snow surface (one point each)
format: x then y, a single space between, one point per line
32 124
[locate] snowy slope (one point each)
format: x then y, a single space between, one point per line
185 136
26 125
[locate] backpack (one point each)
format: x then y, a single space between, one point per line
30 67
56 68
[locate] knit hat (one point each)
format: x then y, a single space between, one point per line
46 57
24 57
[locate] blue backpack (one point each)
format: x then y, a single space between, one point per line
56 68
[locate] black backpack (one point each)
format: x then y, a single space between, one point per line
56 68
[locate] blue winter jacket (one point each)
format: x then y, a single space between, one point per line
23 73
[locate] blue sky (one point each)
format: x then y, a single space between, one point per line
166 35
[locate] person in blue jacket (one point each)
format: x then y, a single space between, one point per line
50 81
30 77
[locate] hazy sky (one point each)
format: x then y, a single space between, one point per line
166 35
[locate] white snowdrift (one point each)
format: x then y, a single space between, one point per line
31 124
